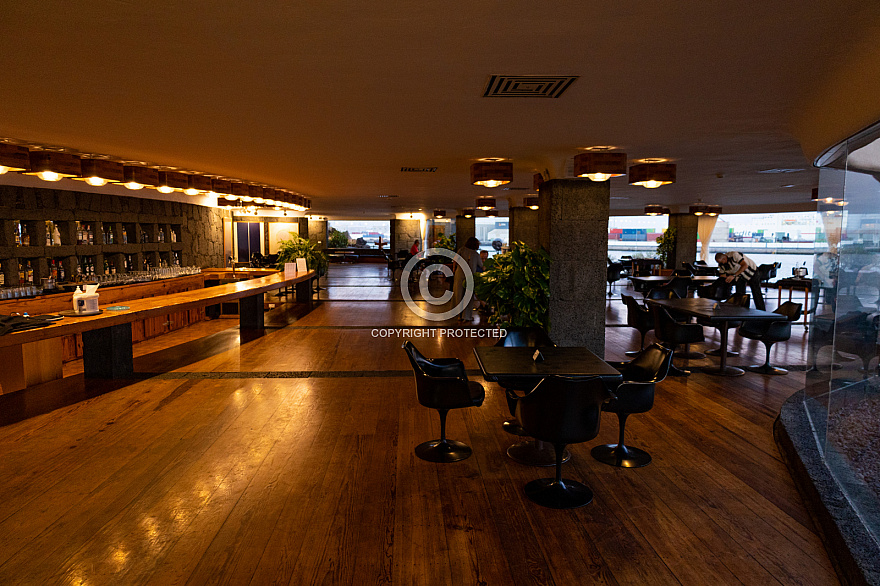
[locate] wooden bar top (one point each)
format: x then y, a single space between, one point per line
155 306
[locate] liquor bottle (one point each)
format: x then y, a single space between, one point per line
79 233
22 274
53 270
30 273
173 235
113 269
161 234
124 237
111 237
16 230
48 233
25 236
2 279
106 268
56 235
61 273
90 233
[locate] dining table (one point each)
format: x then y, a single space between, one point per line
525 367
649 282
720 315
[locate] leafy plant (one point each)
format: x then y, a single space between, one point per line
666 247
299 247
516 287
338 239
447 242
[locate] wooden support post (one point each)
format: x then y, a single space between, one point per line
250 312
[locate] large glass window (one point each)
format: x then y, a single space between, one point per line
358 233
492 234
634 236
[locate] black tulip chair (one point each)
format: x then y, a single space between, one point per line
671 333
562 411
768 333
738 299
442 384
639 317
634 395
520 338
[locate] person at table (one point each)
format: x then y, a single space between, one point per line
470 253
737 268
414 249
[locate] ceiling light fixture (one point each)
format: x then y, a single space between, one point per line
491 213
491 174
53 165
531 202
99 172
439 213
171 181
652 175
468 212
704 209
14 158
137 177
600 166
485 203
656 210
198 184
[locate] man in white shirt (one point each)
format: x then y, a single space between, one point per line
739 269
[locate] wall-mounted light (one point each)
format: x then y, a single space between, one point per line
485 203
599 166
531 202
100 172
14 158
53 165
652 175
491 174
656 210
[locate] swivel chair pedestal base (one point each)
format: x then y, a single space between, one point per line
558 494
443 451
718 351
535 453
621 456
513 427
766 369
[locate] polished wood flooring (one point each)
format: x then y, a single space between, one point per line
288 459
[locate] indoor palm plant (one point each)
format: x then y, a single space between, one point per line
666 248
299 247
516 287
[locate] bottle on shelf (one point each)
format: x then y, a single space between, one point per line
124 236
25 235
61 273
16 231
161 234
56 235
173 235
22 274
110 236
90 234
29 273
49 229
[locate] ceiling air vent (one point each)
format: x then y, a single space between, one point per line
781 170
418 169
384 196
527 86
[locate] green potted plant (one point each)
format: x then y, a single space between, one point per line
337 239
516 287
299 247
447 242
666 248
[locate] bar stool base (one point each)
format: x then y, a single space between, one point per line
726 371
621 456
443 451
766 369
717 352
513 427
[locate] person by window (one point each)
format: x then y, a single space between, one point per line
737 268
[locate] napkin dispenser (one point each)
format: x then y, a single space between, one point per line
86 301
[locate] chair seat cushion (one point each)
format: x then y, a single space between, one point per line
477 393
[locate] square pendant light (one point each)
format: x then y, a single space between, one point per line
171 181
14 158
491 174
491 213
439 213
98 172
531 202
656 210
53 166
468 212
198 184
599 166
137 177
485 203
652 175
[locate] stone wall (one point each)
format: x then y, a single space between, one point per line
404 233
198 230
524 226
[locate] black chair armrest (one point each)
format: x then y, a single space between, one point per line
446 367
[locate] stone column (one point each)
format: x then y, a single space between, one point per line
574 230
403 233
686 238
464 229
524 226
317 233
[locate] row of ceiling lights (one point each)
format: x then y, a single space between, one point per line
56 165
594 165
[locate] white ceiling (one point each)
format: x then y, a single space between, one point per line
331 99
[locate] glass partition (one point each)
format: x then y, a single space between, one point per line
841 396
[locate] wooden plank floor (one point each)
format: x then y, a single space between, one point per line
288 459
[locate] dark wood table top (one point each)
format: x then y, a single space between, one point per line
714 311
666 279
496 361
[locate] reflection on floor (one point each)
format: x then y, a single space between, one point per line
288 458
